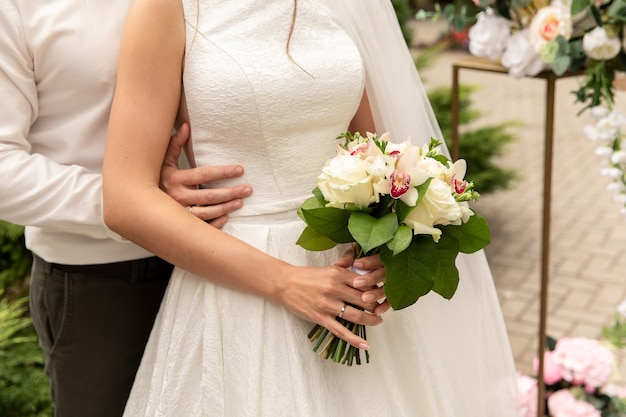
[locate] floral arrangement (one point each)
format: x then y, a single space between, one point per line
606 132
408 203
529 36
581 375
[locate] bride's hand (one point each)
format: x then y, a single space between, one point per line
209 204
371 283
319 294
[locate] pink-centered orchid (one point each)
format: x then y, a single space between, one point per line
407 175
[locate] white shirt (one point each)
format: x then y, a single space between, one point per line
58 64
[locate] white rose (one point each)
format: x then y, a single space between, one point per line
548 23
520 57
438 207
487 38
345 180
598 45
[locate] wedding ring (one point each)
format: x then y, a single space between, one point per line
343 309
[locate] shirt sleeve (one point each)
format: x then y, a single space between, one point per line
35 190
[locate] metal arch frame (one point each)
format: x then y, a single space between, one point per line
480 64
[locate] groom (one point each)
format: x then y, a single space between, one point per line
93 295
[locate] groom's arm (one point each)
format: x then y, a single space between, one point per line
209 204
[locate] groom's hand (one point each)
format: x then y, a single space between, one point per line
209 204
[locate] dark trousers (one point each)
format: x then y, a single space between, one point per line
93 322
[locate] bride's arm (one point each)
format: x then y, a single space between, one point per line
146 102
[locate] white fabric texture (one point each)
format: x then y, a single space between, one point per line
218 352
57 76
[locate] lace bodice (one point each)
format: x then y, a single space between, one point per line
252 104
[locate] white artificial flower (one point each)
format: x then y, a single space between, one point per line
614 173
606 129
548 23
520 57
604 151
487 38
598 112
614 188
618 157
617 117
598 45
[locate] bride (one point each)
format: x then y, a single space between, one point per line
269 84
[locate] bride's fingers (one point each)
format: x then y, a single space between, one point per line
361 317
353 315
368 263
355 297
382 308
371 280
346 260
375 294
342 332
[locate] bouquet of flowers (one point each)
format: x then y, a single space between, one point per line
581 376
528 36
606 132
408 203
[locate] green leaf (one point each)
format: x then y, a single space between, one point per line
421 190
371 232
561 64
446 274
401 240
472 236
310 204
403 209
458 23
311 240
617 10
329 221
317 193
579 6
409 274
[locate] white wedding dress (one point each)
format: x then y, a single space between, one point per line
218 352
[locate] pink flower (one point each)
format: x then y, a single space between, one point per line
552 372
459 185
361 148
548 23
400 183
563 403
527 388
584 361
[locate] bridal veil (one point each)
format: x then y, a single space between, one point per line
466 333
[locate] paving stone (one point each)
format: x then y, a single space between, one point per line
587 271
